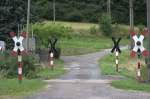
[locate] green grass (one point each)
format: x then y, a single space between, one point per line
107 63
47 73
85 26
11 87
75 25
131 84
84 45
126 70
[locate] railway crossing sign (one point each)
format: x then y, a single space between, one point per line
52 51
117 50
116 44
138 44
139 50
18 50
18 45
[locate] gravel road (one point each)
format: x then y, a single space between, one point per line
84 81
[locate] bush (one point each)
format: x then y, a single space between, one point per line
44 30
120 30
9 68
105 25
141 27
94 31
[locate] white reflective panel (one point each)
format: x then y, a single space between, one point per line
51 62
141 38
117 61
15 39
51 55
142 48
21 48
117 53
135 49
15 49
138 73
19 58
20 39
19 71
135 38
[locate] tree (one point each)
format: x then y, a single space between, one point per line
12 13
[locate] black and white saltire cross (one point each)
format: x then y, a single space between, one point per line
116 45
52 51
18 50
117 50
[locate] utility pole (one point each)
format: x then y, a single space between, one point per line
54 11
28 23
131 21
109 7
148 44
131 16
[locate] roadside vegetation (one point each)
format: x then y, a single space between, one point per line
11 87
33 75
47 73
127 69
78 38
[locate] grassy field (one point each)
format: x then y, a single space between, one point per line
80 26
81 45
11 87
126 70
75 25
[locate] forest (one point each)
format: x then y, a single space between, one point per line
14 12
91 10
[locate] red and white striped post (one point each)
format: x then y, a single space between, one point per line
51 60
19 66
117 61
139 50
117 50
139 71
19 51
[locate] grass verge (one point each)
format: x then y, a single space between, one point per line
126 69
131 84
84 45
47 73
11 87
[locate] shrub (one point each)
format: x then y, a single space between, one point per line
94 31
105 25
9 68
141 27
120 30
44 30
